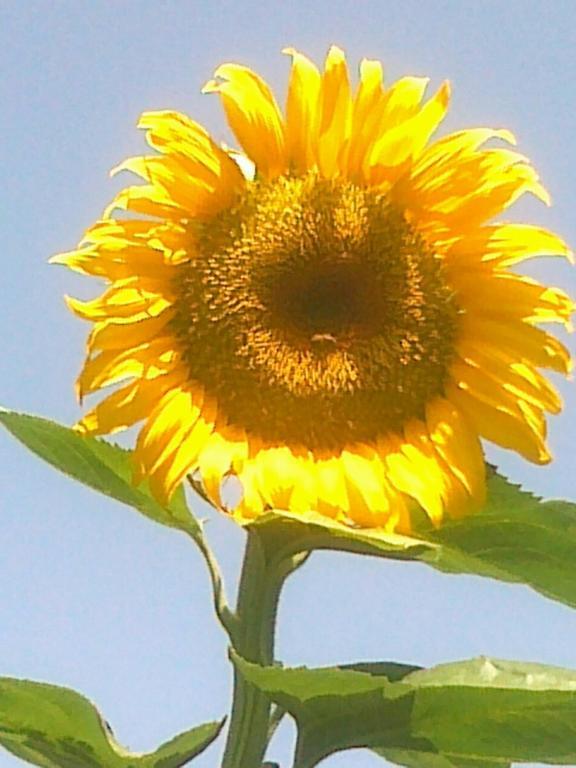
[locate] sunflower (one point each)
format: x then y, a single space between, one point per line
328 315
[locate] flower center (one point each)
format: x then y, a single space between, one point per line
315 314
334 299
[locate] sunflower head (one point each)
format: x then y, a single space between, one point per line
330 314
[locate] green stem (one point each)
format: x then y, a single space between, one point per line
258 594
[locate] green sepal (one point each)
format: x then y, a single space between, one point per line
473 714
56 727
516 537
287 533
105 467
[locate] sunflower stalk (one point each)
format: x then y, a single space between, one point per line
261 581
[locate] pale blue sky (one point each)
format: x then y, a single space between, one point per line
94 597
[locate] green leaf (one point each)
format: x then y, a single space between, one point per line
100 465
335 708
181 749
56 727
516 537
474 714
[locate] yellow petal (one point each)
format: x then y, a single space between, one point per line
253 115
403 100
182 457
454 148
111 366
504 245
127 406
419 450
505 295
514 428
335 113
111 335
410 473
118 303
367 113
192 194
370 504
148 199
518 340
304 497
252 504
458 445
302 113
116 265
176 135
277 475
220 454
520 380
169 423
465 190
331 487
407 140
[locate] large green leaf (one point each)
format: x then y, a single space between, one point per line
105 467
479 713
515 538
58 728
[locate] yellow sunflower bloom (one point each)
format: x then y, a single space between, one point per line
330 315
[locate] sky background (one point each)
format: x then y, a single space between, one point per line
92 595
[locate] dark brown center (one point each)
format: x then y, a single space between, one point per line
315 314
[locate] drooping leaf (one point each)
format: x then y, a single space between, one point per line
516 537
473 714
56 727
100 465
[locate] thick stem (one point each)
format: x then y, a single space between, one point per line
258 595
